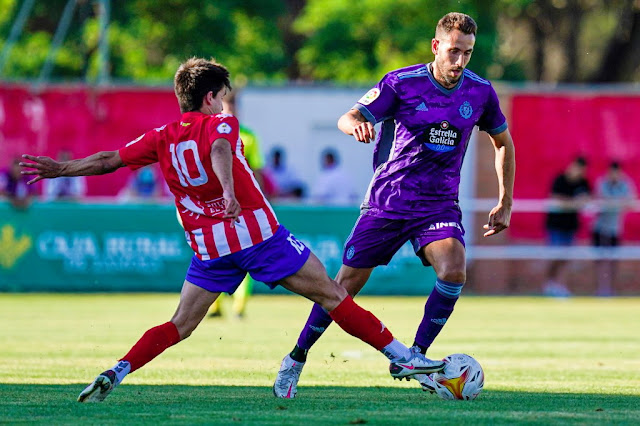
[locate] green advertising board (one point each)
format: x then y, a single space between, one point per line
77 247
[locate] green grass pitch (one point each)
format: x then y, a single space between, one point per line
546 361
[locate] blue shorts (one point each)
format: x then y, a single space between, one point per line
280 256
374 240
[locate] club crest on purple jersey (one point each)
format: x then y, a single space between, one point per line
466 110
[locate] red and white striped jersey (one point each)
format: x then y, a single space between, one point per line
183 150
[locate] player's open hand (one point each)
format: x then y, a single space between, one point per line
364 132
232 208
41 166
499 219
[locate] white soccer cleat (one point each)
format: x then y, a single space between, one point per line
426 381
100 388
286 384
416 364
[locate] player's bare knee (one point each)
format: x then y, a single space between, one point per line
453 275
332 296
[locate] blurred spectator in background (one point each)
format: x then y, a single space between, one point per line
64 188
287 182
13 186
569 193
252 146
614 192
334 185
143 185
255 159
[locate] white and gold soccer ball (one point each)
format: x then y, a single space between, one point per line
462 378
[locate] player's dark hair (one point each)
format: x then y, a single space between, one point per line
195 78
456 21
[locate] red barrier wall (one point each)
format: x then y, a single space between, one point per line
549 130
80 119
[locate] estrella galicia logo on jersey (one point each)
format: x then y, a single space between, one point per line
350 252
466 110
442 137
224 128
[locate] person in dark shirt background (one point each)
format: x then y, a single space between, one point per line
569 193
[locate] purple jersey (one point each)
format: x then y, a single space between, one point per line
423 138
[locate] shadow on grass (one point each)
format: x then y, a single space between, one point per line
164 404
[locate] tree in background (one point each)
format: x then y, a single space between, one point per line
329 40
346 43
571 40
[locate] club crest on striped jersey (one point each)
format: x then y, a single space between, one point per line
224 128
370 96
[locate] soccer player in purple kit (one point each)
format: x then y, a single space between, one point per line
427 114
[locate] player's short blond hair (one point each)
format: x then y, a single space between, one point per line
456 21
195 78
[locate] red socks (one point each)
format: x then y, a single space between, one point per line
151 344
361 324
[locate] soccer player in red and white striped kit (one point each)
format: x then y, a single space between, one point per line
228 223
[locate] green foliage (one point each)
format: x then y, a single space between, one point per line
325 40
362 43
149 39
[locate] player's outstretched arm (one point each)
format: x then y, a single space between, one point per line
505 163
353 123
47 168
222 163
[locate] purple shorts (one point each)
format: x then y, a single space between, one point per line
280 256
374 240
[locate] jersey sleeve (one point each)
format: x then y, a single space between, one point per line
380 102
225 126
142 151
492 120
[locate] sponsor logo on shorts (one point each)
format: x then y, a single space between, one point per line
440 225
442 137
439 321
350 252
466 110
370 96
317 329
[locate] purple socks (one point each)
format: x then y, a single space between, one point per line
317 323
437 310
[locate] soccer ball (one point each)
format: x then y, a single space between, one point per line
462 378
